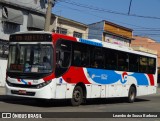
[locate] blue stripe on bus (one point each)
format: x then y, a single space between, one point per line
24 81
109 77
141 78
103 76
90 42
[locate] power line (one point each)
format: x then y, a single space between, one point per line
88 13
105 10
136 30
130 7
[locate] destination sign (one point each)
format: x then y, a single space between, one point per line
18 67
31 38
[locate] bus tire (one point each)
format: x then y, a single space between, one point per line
132 94
77 96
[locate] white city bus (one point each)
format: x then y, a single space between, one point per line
55 66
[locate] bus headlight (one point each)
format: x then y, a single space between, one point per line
43 84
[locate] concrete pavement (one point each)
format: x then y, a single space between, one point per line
2 90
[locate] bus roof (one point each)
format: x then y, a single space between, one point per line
96 42
114 46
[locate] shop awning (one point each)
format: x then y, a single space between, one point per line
36 21
12 15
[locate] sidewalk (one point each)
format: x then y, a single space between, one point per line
2 90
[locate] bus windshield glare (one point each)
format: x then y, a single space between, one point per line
30 58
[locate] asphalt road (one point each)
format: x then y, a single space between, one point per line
149 103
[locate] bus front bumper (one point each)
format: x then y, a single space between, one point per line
45 92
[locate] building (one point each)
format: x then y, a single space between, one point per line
21 15
69 27
148 45
16 16
110 32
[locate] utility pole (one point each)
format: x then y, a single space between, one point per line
48 14
130 7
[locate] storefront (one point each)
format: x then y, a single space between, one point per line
110 38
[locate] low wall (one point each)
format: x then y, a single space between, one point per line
3 66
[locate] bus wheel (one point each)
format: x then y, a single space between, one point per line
77 96
132 94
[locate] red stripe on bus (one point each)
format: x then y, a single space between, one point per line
56 37
29 83
151 78
75 75
50 77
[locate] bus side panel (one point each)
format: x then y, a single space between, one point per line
98 91
115 90
88 89
95 91
142 90
107 90
103 91
152 89
69 91
125 90
61 91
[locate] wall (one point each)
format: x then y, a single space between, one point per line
32 4
70 25
96 30
147 43
3 66
2 34
117 30
116 40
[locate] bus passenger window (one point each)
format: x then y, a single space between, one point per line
122 61
77 58
85 58
151 66
80 56
95 64
97 58
133 62
143 64
111 59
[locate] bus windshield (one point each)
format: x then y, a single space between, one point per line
30 58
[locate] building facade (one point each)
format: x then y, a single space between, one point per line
21 15
69 27
149 44
110 32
